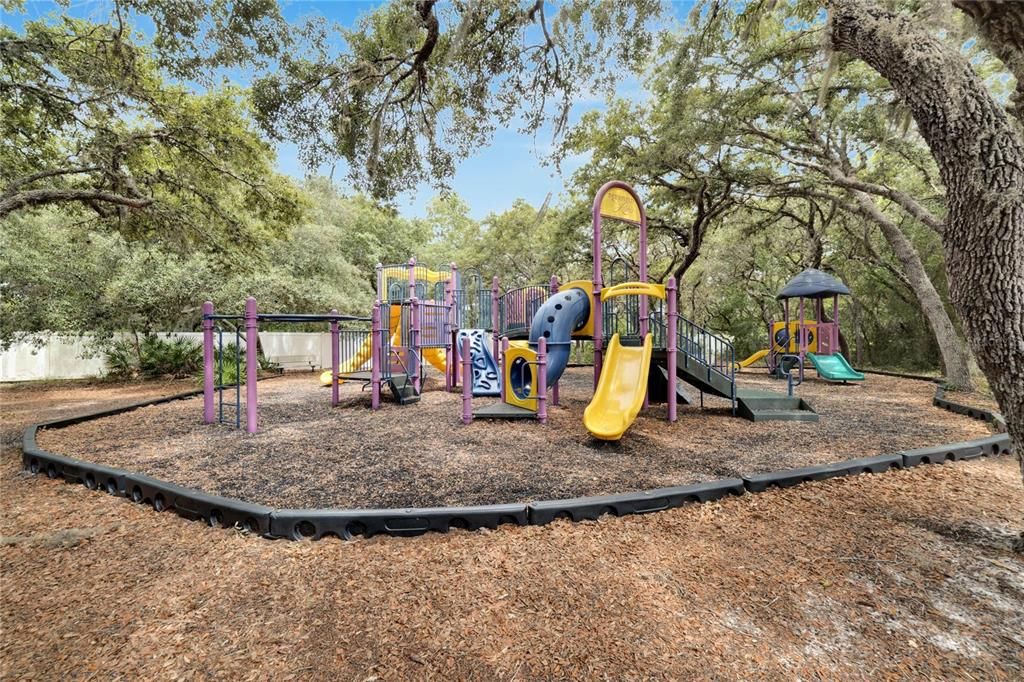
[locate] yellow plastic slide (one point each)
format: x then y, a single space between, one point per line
620 390
752 359
435 356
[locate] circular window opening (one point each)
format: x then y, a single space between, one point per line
521 378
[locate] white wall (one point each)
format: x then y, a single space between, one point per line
61 358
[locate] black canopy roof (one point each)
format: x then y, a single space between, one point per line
812 283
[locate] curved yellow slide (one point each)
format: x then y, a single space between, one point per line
620 390
435 356
752 359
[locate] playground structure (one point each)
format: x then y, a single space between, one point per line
644 350
791 342
643 347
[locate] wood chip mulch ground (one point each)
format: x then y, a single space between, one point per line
904 575
308 454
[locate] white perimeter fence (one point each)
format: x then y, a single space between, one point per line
62 357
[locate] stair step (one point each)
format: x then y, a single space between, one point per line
783 415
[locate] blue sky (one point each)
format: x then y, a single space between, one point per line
511 167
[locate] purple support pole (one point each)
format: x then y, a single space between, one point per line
644 302
789 339
803 338
818 319
413 354
376 353
467 382
554 389
449 351
501 366
495 322
412 277
381 294
670 342
835 323
207 363
335 359
542 380
251 366
456 303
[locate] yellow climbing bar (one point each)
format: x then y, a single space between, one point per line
634 289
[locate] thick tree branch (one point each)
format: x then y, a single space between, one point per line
41 197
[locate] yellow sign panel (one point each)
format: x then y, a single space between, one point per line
620 204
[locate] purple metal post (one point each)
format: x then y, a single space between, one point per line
467 382
207 363
835 323
670 343
377 350
495 322
542 380
501 366
251 366
335 359
413 353
818 320
803 339
447 335
554 389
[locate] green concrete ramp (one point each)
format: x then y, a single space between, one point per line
834 368
503 411
763 406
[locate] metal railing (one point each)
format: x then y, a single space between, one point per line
355 348
517 308
707 348
434 328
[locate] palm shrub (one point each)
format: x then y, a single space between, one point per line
152 357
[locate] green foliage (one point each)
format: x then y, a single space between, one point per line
419 86
152 357
87 121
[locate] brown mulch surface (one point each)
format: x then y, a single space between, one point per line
904 575
310 455
972 399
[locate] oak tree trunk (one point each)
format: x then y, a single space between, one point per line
956 358
980 154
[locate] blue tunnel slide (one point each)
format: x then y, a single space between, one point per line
561 315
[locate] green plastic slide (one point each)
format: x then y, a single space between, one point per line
834 367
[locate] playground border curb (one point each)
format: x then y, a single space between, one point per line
640 502
301 524
786 478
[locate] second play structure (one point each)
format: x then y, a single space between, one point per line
793 341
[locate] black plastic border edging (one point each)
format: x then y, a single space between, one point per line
642 502
786 478
298 524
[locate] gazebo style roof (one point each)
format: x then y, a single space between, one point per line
812 283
